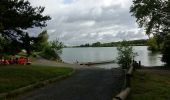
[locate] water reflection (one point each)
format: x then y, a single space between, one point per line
71 55
154 58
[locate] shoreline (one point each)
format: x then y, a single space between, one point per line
156 67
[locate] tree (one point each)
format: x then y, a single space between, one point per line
9 47
56 44
26 43
18 15
41 41
152 44
154 16
97 44
125 54
87 45
53 50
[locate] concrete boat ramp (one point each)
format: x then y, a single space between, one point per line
84 84
97 62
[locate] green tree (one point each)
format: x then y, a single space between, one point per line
87 45
18 15
125 54
26 43
154 16
57 47
56 44
9 47
97 44
152 44
41 41
53 50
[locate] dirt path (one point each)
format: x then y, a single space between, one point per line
85 84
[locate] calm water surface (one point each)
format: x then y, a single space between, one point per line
71 55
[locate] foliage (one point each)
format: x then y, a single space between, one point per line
26 43
15 17
154 16
97 44
9 47
155 43
166 50
50 53
16 76
53 50
141 42
125 54
152 44
41 42
56 44
48 50
18 15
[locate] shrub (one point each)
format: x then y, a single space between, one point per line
125 54
50 53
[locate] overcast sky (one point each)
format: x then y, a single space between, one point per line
77 22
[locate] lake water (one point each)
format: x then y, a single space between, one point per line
91 54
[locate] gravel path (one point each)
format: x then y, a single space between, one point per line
85 84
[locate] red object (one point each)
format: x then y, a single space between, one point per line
21 60
6 62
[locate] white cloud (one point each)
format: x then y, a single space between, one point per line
87 23
77 22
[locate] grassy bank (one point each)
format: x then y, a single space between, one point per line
16 76
149 85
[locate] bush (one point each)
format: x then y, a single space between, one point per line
50 53
53 50
155 44
125 54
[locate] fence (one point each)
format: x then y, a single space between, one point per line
124 93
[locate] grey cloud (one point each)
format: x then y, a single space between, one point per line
85 21
128 35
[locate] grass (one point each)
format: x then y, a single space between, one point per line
16 76
150 86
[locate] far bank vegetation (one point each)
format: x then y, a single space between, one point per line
140 42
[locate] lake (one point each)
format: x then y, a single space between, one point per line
91 54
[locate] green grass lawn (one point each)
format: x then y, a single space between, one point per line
17 76
150 86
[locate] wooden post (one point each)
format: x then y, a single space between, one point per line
128 80
139 64
134 65
122 95
128 76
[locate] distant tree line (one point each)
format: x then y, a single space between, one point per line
141 42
